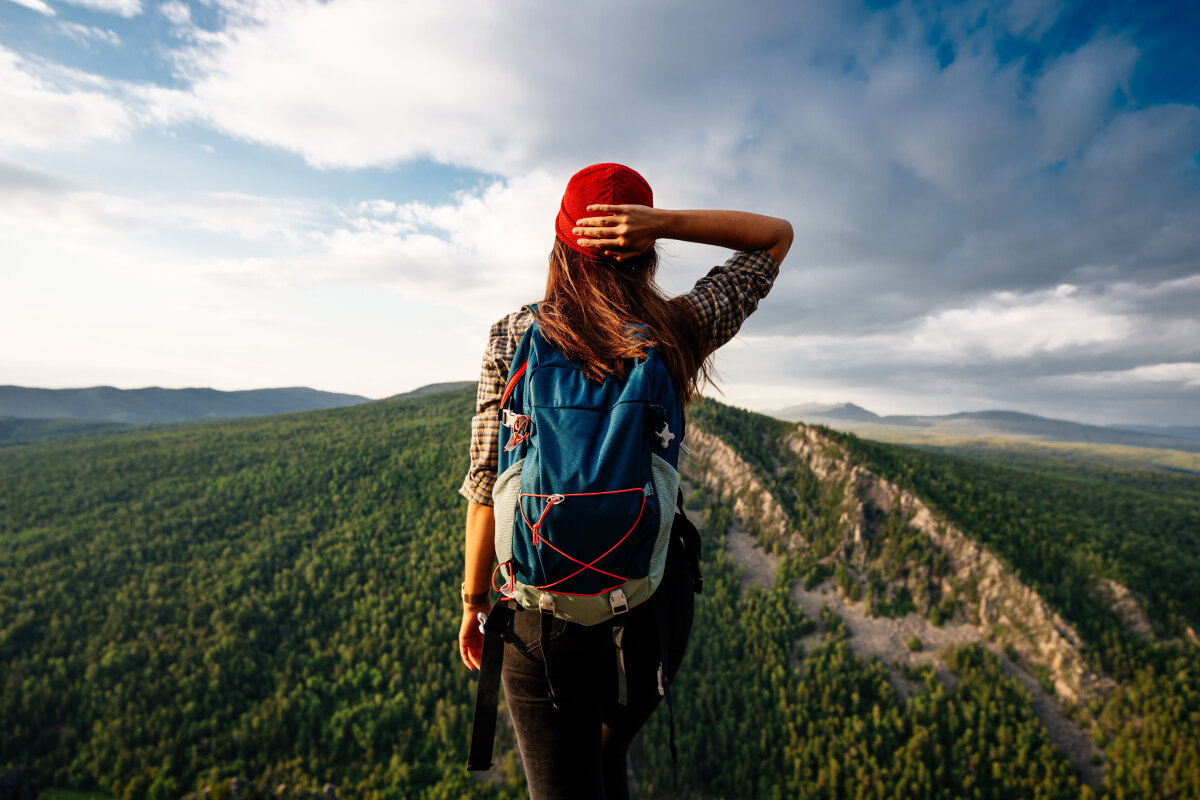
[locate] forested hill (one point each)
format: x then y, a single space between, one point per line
156 404
276 598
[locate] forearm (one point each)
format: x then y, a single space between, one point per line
480 548
736 230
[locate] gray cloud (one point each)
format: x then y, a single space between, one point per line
17 179
925 197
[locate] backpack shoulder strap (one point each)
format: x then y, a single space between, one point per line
520 360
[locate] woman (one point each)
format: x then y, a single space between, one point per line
601 281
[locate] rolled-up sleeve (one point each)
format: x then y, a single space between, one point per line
729 293
485 425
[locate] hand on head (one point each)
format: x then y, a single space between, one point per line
624 231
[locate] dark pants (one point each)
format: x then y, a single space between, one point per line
578 749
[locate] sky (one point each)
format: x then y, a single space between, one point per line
996 204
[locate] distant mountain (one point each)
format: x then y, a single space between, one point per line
156 404
847 411
1177 431
433 388
986 424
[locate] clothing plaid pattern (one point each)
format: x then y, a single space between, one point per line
721 301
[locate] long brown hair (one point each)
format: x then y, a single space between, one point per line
590 305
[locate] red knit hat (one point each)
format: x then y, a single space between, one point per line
610 184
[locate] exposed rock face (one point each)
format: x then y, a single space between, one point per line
1004 610
1007 611
716 465
1129 607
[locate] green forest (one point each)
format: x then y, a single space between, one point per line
276 598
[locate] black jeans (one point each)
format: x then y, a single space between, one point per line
578 750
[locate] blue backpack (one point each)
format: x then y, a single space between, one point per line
585 507
587 485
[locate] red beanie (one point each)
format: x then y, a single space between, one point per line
609 184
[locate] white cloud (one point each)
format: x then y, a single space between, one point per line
242 219
86 33
501 88
177 12
1008 325
37 112
484 254
1184 373
479 253
36 5
930 184
123 8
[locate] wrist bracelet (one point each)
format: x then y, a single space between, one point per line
473 599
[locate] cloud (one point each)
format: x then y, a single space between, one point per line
17 178
123 8
465 82
1094 354
177 13
1073 97
473 253
1186 373
1009 325
36 5
45 109
479 254
41 202
931 184
86 34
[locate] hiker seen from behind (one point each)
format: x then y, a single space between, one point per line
574 516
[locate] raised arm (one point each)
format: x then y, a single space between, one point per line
627 230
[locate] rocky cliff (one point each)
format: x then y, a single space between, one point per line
939 567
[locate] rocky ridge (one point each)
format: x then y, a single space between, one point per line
1008 614
1035 644
1006 611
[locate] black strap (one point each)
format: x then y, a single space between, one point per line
547 618
685 530
487 693
618 634
663 624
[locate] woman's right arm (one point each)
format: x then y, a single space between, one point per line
627 230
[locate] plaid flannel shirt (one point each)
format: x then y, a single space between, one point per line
721 301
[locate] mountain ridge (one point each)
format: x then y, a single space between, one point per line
157 404
988 423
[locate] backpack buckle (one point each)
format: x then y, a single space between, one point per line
618 602
546 603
